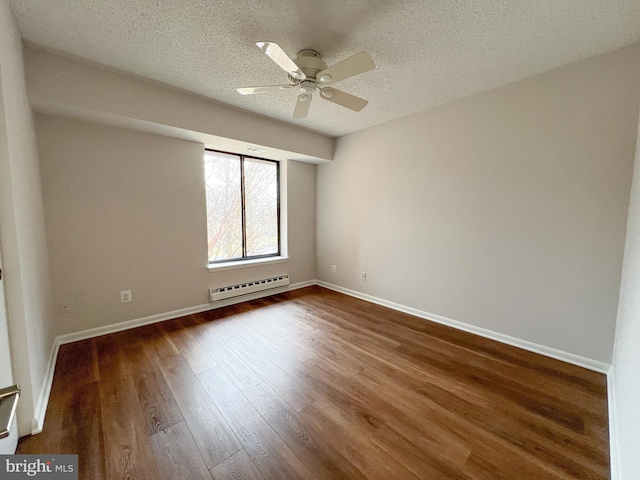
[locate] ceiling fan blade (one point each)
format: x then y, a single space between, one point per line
349 67
262 89
302 105
283 60
345 99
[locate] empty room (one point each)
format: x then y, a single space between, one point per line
317 240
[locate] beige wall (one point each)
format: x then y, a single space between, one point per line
301 224
505 210
22 231
625 407
125 210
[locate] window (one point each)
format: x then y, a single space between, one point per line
243 207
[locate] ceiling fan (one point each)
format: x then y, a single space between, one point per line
308 73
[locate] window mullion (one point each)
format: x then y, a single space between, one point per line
244 213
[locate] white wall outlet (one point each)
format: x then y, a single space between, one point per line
363 276
333 269
64 307
125 296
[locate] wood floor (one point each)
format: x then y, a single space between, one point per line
315 384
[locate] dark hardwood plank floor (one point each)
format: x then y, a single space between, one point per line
315 384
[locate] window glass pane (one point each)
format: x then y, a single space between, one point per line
224 206
261 206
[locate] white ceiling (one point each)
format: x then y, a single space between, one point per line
427 52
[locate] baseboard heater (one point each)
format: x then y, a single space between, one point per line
229 291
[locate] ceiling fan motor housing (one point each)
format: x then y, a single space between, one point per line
310 63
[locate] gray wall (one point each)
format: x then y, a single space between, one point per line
126 210
22 231
505 210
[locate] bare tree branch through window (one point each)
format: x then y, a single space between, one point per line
242 206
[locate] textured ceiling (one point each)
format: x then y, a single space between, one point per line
427 52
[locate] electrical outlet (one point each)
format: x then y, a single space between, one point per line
333 269
125 296
364 276
64 307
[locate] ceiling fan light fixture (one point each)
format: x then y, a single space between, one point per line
308 86
327 93
305 97
325 78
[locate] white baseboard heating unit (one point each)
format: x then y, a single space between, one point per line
229 291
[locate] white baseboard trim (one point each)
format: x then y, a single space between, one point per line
613 438
567 357
129 324
43 399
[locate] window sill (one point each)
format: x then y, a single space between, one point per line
258 262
